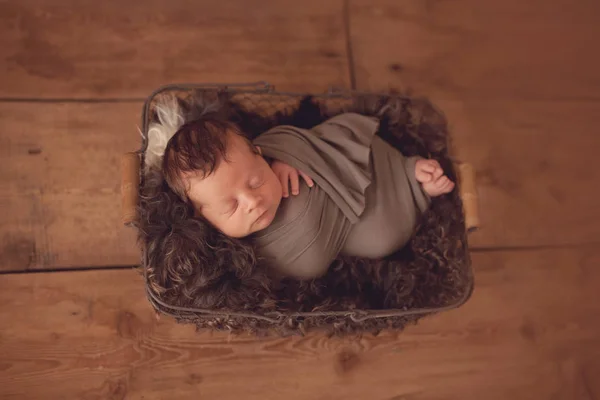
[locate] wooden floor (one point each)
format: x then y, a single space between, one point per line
520 84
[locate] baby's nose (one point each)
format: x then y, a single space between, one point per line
253 201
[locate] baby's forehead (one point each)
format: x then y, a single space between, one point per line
240 160
236 141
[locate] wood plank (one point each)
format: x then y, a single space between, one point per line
60 188
83 49
533 171
479 50
519 88
528 332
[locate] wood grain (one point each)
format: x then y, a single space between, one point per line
534 179
478 50
59 190
519 86
519 83
83 49
528 332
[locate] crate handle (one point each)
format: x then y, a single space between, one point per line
130 178
468 194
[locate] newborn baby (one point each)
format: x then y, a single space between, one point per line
365 200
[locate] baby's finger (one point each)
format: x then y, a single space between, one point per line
283 178
449 185
426 177
441 182
427 166
307 179
437 174
421 174
294 182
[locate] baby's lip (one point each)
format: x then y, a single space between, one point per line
264 213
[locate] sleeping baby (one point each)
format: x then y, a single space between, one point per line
358 195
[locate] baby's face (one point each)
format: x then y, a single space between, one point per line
241 196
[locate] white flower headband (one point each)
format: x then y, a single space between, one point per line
170 119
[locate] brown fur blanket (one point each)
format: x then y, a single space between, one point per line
189 264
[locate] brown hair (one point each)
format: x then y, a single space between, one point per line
197 147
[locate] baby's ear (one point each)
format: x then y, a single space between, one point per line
259 150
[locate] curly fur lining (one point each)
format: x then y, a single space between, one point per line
190 264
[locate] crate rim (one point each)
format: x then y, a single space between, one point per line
264 87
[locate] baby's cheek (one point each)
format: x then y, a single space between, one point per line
273 186
236 228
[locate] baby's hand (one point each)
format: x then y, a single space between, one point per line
289 175
431 176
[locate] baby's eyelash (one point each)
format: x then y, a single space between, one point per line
231 209
257 183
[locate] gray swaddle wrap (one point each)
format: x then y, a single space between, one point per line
365 201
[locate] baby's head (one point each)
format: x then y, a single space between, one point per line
211 164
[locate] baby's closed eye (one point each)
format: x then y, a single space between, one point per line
256 181
231 207
256 184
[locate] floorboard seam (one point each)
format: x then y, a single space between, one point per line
68 269
349 50
72 100
473 250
